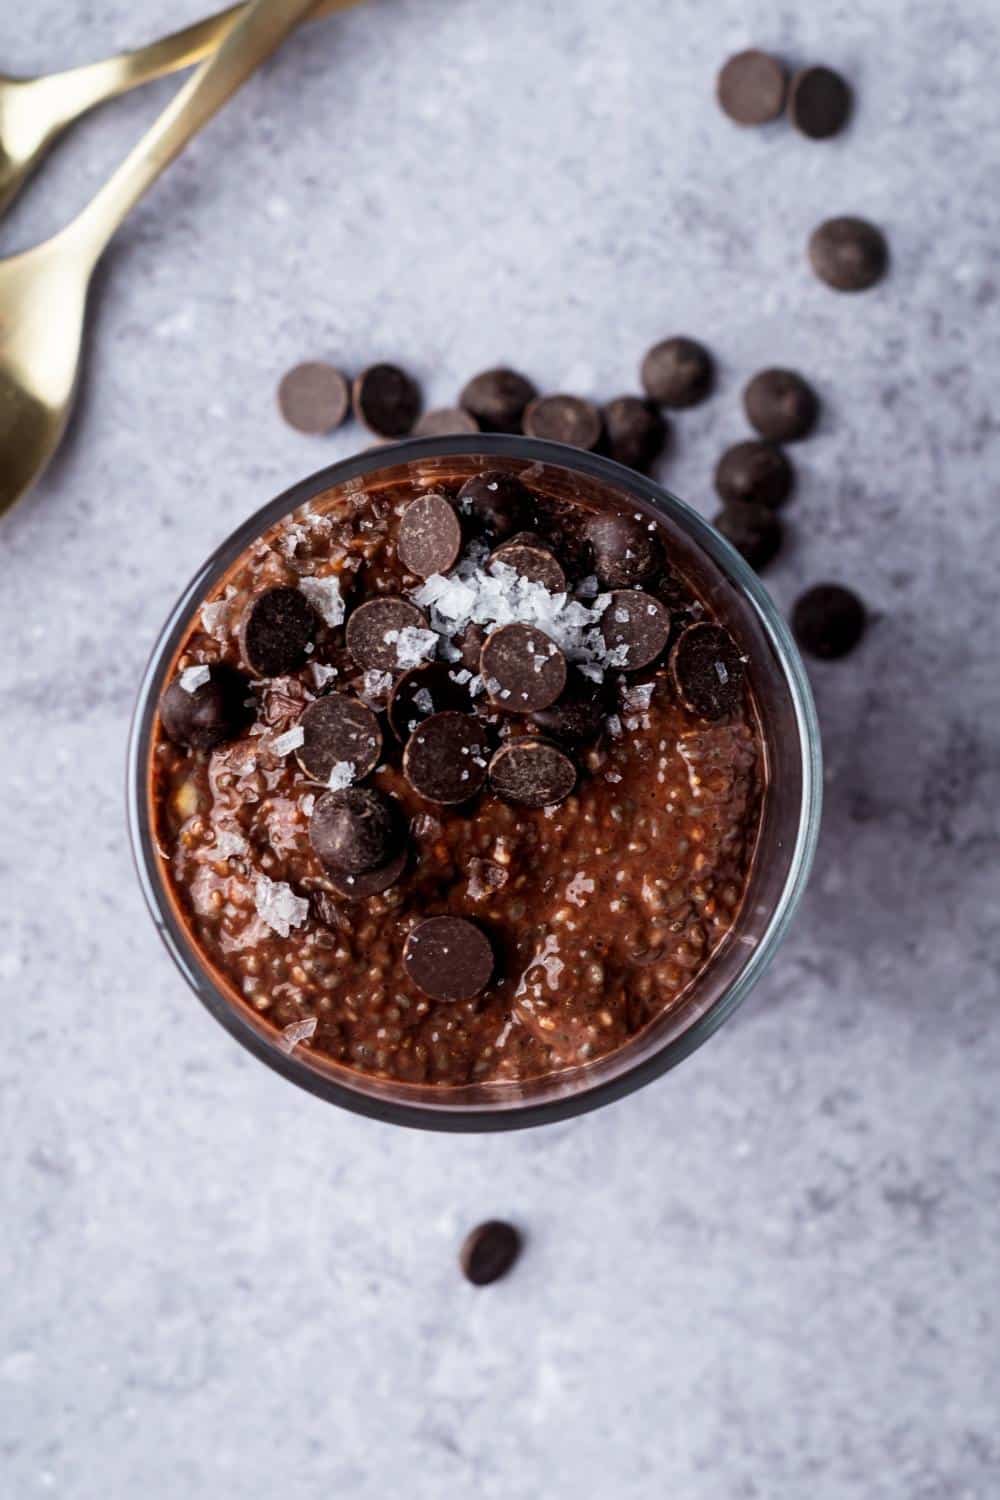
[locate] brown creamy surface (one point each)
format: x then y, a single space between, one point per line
602 910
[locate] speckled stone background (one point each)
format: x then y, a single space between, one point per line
772 1274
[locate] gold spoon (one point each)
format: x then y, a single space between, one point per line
34 111
43 292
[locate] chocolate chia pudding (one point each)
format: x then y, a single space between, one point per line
458 778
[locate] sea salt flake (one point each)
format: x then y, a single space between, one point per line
579 888
341 775
307 803
423 700
192 678
461 677
721 673
614 726
289 741
321 673
212 615
298 1031
278 905
375 686
325 597
229 844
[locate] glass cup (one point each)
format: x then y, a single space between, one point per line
785 845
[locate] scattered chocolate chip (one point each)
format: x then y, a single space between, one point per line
497 399
677 372
338 729
470 644
446 757
448 958
637 622
848 254
214 712
563 419
751 88
526 555
781 405
368 882
578 716
625 551
532 772
634 431
314 397
754 472
446 421
523 670
387 400
276 629
421 692
828 620
354 830
489 1251
497 501
707 670
819 102
430 536
754 530
371 622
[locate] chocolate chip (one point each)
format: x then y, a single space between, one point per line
751 88
470 644
448 958
819 102
489 1251
497 399
523 670
526 555
387 400
563 419
425 690
314 397
754 530
578 716
446 421
754 472
637 622
338 729
213 712
371 622
848 254
276 629
446 757
430 536
497 501
354 830
677 372
634 431
625 550
707 670
828 620
781 405
368 882
532 772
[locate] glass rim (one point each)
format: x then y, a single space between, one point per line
489 1117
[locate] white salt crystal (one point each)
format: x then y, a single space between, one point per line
298 1031
307 803
375 686
278 905
212 615
341 775
228 844
579 888
194 677
413 645
614 725
321 673
637 698
325 597
614 776
423 700
721 673
461 677
285 743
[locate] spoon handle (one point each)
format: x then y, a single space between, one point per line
259 31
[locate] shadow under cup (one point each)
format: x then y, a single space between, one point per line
785 845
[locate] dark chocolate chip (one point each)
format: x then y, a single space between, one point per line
522 668
446 421
277 627
677 372
526 555
489 1251
354 830
371 622
446 757
625 550
314 397
497 399
819 102
637 622
338 728
848 254
448 958
214 712
758 473
828 620
496 501
781 405
754 530
532 772
707 670
425 690
430 536
563 419
635 432
387 400
470 643
578 717
751 88
368 882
